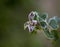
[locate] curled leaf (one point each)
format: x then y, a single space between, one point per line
44 16
53 23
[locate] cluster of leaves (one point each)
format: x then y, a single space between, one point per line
41 22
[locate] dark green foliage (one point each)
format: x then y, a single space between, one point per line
43 24
35 18
48 33
44 16
33 32
55 33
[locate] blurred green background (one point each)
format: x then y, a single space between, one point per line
13 15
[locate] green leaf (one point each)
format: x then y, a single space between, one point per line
40 19
44 16
33 32
36 17
55 33
48 33
43 24
53 23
